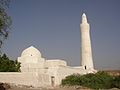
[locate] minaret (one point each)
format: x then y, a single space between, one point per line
86 51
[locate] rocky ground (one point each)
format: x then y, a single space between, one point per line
55 88
6 86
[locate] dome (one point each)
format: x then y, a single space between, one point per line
31 51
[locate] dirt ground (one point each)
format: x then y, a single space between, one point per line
6 86
55 88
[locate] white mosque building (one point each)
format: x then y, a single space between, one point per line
39 72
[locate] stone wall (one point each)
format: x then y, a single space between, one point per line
60 72
29 78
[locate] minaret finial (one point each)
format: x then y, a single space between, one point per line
84 18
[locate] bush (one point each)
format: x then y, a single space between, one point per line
95 81
116 82
71 80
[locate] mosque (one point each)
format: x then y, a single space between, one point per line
39 72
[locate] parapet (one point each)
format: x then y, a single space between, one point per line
55 63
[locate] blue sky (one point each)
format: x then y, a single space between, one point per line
53 27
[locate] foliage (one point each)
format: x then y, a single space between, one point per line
5 20
100 80
7 65
72 80
116 82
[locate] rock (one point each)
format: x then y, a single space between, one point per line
4 86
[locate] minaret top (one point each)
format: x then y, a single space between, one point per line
84 18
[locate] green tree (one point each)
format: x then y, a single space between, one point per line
17 65
5 20
7 65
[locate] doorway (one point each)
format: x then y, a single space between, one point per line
52 81
85 68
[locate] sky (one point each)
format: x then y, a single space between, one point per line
53 27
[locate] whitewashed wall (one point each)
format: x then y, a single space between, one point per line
30 79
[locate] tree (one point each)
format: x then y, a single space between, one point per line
7 65
17 66
5 20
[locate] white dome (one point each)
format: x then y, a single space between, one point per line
31 51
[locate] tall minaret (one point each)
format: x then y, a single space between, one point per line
86 51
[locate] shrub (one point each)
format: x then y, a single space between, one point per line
99 80
71 80
116 82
